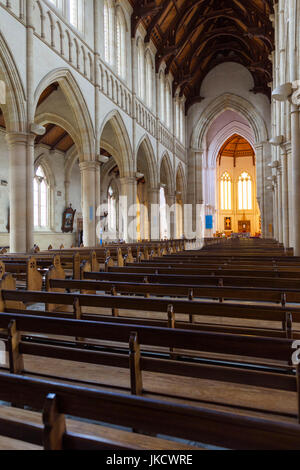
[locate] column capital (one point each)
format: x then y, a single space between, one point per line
18 138
91 165
153 190
128 180
286 149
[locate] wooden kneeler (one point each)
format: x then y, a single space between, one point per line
54 425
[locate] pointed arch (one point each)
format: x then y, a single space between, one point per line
234 127
166 166
229 101
120 147
141 67
70 161
14 110
180 176
121 49
146 145
77 103
149 72
51 118
41 160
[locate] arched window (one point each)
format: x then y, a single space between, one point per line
168 104
226 192
41 191
108 32
76 14
149 80
245 192
162 96
121 43
141 69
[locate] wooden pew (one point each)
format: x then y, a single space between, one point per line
191 309
222 429
281 295
255 272
26 271
136 336
216 280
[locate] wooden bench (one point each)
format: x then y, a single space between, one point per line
136 336
225 430
281 295
216 280
255 272
190 309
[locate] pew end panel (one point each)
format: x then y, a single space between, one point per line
34 280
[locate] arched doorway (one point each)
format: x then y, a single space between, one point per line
237 208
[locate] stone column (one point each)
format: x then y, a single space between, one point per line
17 144
88 179
296 176
128 208
29 192
279 205
275 209
285 199
30 67
195 185
98 191
154 218
295 131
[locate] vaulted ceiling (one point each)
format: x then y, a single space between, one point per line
236 147
193 36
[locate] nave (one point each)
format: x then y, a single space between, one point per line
153 345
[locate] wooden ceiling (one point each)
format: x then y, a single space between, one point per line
236 147
47 92
56 138
193 36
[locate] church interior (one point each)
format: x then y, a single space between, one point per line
149 225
